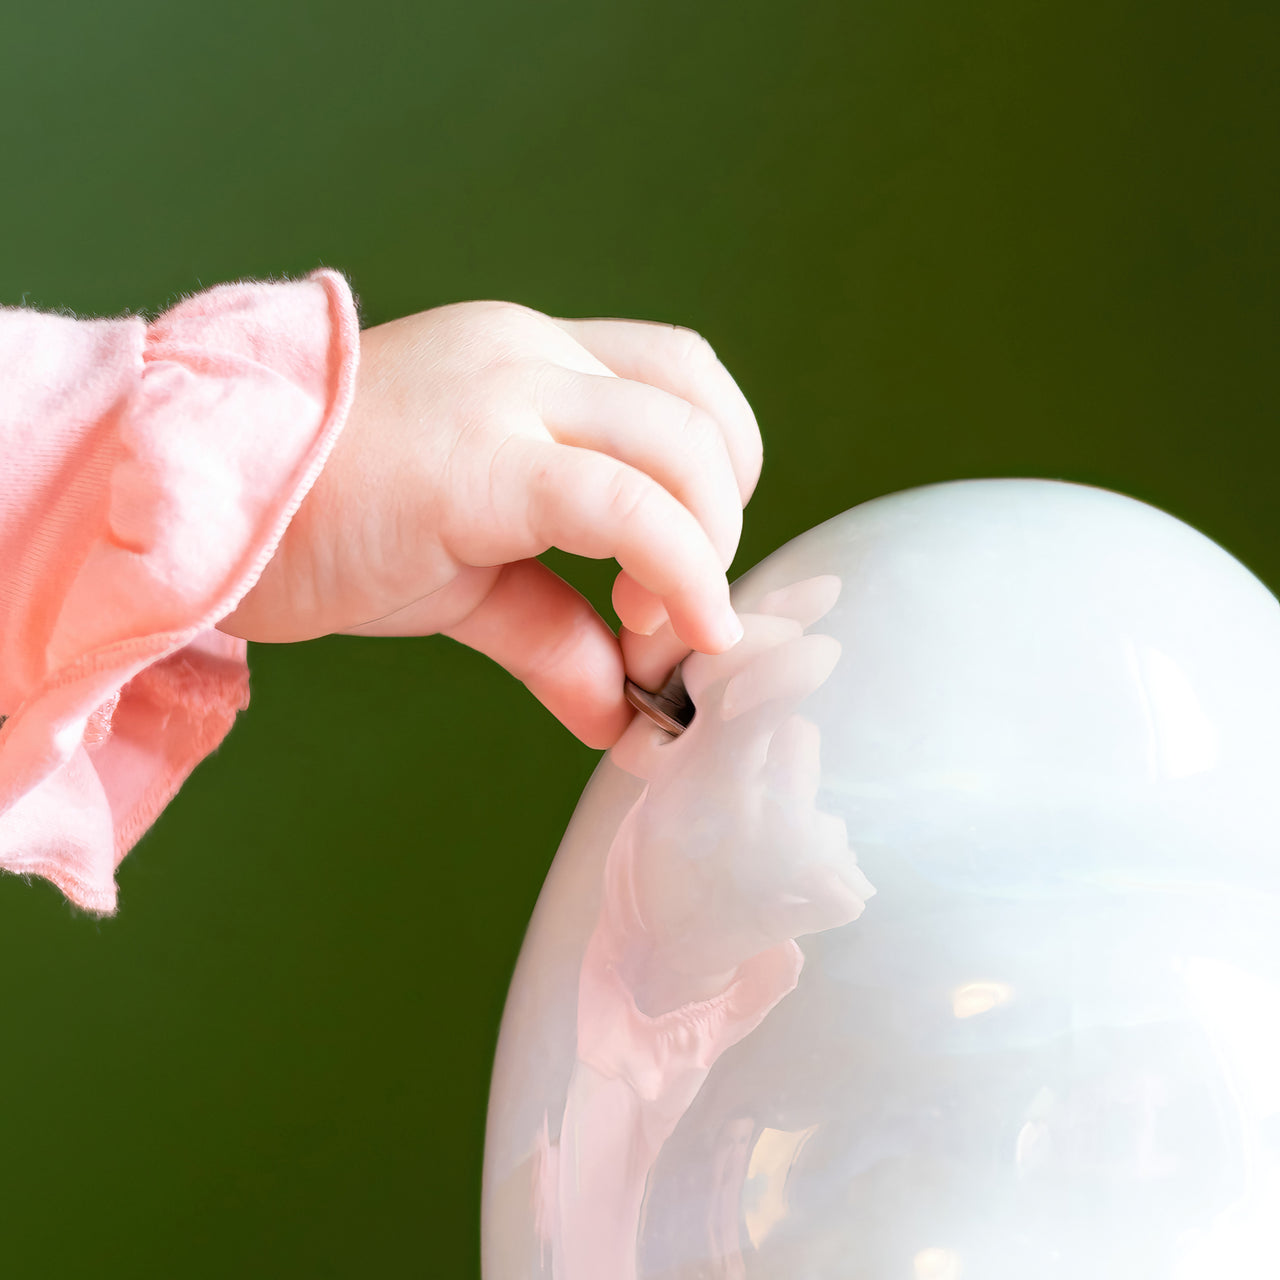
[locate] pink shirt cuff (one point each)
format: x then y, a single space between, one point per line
151 472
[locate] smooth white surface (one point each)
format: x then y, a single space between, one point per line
1048 718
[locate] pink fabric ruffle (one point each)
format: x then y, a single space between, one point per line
150 472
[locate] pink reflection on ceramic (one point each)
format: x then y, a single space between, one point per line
1049 1047
719 866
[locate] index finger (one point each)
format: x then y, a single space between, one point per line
590 504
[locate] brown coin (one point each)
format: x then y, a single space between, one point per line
670 708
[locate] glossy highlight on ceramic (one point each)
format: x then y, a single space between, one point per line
945 943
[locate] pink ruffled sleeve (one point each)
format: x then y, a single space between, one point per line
149 471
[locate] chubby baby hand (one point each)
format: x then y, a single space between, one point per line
483 434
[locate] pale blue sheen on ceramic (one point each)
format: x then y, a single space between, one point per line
1049 1047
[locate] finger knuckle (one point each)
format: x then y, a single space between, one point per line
541 382
504 329
628 498
498 312
703 432
692 348
546 662
687 419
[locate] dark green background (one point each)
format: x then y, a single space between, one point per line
932 240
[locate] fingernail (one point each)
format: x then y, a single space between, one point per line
650 624
730 631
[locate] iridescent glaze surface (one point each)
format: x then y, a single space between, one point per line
945 943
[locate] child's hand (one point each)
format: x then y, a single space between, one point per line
481 435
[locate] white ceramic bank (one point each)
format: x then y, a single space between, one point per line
943 945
